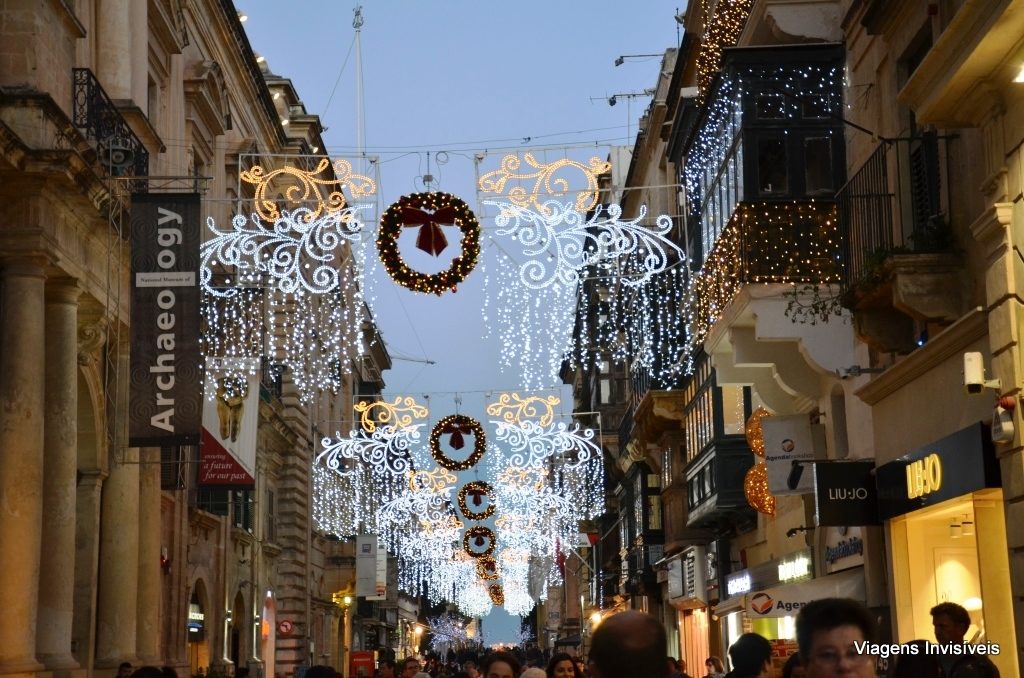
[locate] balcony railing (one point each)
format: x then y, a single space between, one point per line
120 151
893 205
768 242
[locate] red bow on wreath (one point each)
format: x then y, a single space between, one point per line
431 238
457 441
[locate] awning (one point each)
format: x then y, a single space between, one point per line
730 605
786 600
566 642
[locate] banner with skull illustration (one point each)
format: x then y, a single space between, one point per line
227 458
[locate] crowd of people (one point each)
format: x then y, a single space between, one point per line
833 640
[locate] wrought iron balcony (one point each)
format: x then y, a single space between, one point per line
120 151
893 205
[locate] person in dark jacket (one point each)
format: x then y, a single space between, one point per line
751 657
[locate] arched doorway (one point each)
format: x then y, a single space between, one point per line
197 629
238 647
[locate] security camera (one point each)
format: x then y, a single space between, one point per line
974 374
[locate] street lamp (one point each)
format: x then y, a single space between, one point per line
343 599
622 58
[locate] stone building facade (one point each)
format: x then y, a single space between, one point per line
113 553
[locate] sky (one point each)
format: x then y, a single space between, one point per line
461 78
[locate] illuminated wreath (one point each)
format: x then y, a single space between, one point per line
428 211
478 489
458 425
497 594
478 533
487 568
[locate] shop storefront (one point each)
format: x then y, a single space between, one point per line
686 593
766 599
943 509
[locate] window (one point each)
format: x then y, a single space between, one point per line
771 107
152 102
814 107
771 166
818 165
604 369
241 508
666 467
733 419
212 501
654 512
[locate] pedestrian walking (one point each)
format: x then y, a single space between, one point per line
751 657
831 633
629 644
951 622
562 665
500 665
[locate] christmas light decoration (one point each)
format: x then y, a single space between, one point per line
544 180
298 252
754 432
755 488
473 599
721 30
447 632
513 409
479 536
534 327
486 568
478 489
496 593
559 241
400 413
231 338
302 188
428 211
457 425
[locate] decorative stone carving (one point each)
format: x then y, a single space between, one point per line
91 339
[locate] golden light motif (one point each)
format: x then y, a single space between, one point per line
544 181
513 409
308 189
389 413
431 481
755 435
522 476
755 488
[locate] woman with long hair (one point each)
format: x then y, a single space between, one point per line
715 667
562 665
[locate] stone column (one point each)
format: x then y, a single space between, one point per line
60 467
148 608
119 562
22 317
114 44
140 55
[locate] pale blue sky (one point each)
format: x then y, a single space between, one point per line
462 77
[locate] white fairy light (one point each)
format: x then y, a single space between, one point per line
559 241
232 335
299 252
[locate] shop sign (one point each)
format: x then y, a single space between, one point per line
738 583
794 567
786 601
956 465
845 494
788 439
195 622
844 548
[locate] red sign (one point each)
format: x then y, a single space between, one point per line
362 664
218 468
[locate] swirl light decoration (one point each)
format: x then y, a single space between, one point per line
576 461
559 241
400 413
296 253
514 409
545 181
303 187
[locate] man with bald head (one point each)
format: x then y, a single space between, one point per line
629 644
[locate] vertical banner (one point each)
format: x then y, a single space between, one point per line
787 439
380 587
366 566
227 457
166 381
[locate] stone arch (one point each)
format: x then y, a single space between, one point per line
92 419
199 644
238 640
